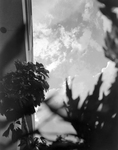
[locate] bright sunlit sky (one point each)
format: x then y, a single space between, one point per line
68 40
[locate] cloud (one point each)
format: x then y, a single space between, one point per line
64 9
47 41
56 11
55 63
41 11
40 47
76 46
87 11
46 46
80 88
106 23
109 73
41 30
70 40
85 38
60 48
95 45
47 50
65 37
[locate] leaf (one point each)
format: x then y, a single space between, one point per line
18 88
11 126
6 133
22 143
16 134
111 48
68 91
109 3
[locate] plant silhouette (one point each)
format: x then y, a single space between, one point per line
20 92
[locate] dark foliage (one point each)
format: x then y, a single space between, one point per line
95 122
20 92
111 48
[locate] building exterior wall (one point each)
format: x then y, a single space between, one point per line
10 41
14 14
16 36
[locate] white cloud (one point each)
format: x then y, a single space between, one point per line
41 29
109 74
45 46
40 47
70 40
85 39
95 45
41 11
106 23
55 11
76 46
74 31
64 9
79 88
54 48
56 62
48 44
65 37
53 65
87 11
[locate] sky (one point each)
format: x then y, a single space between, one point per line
68 40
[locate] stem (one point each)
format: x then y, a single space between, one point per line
25 125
